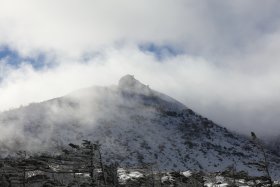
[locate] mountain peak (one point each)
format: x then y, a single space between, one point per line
129 83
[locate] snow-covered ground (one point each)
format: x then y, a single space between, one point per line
211 179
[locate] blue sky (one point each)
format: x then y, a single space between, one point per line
161 51
13 58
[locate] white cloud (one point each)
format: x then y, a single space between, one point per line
71 26
228 71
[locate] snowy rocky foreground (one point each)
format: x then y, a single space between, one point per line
186 178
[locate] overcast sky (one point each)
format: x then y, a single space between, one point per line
220 58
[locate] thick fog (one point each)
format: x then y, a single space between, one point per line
115 116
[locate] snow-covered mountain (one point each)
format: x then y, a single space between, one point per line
135 125
274 144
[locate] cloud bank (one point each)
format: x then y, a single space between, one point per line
220 58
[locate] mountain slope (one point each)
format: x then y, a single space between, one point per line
135 125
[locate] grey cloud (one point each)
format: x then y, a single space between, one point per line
201 27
